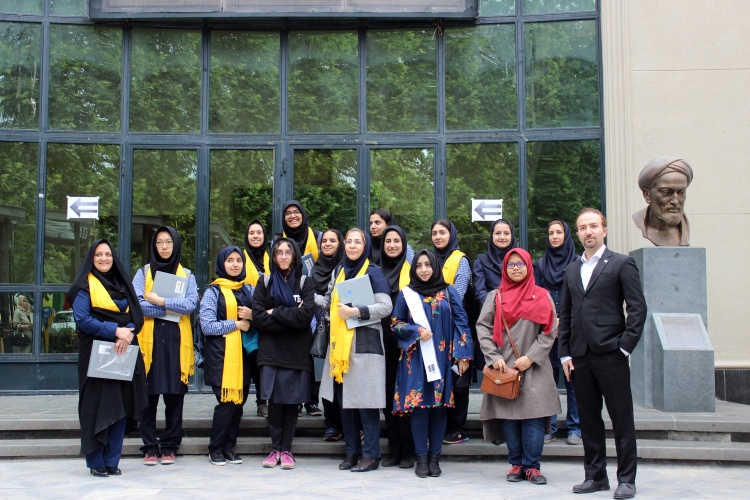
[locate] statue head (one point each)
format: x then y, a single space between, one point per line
664 182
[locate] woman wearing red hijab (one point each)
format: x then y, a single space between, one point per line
529 312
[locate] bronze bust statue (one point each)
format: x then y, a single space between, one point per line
664 182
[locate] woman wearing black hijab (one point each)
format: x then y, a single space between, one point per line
283 307
167 346
380 220
331 255
548 273
296 225
257 264
106 308
488 266
452 261
428 315
225 312
396 268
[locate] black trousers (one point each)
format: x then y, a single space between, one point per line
171 437
282 422
607 376
332 414
255 375
226 423
458 414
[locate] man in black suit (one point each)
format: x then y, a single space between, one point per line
595 342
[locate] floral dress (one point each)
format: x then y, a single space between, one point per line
452 341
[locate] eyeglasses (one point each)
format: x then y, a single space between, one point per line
292 212
163 243
519 265
283 253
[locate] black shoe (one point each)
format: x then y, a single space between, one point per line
407 462
217 458
515 474
433 465
232 458
391 461
349 462
114 471
625 490
590 486
366 464
99 472
313 410
422 469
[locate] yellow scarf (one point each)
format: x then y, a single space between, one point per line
312 244
146 337
100 296
341 335
252 275
450 268
404 278
231 379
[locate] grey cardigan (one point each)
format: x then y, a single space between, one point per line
364 383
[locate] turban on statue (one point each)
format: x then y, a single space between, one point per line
661 166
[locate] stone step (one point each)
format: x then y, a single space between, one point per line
704 451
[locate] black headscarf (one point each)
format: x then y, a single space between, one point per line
243 293
352 267
257 254
492 260
433 285
556 259
116 281
282 287
169 265
300 234
442 255
376 251
391 267
324 266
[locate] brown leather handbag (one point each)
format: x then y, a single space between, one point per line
503 384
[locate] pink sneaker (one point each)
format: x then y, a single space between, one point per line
272 460
287 460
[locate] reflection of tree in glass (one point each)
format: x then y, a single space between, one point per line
20 60
563 177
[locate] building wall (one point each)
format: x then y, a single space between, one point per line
676 80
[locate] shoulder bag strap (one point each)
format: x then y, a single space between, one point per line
507 329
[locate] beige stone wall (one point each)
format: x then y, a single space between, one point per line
677 82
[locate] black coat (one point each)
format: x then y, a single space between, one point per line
593 319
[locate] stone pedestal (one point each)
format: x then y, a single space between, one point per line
674 281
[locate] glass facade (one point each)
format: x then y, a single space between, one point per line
214 124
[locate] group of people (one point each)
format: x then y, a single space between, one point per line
411 353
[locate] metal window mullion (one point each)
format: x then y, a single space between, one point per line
523 201
283 184
126 153
599 57
205 80
363 162
202 225
440 207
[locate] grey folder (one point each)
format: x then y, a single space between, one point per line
356 292
170 286
106 363
307 263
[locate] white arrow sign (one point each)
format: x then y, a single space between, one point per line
486 210
83 207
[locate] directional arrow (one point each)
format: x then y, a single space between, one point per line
486 210
82 207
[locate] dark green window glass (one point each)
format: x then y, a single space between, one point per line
562 74
557 6
21 6
164 184
563 177
496 7
78 170
487 171
323 82
85 78
20 65
325 182
241 190
68 7
18 197
59 330
244 82
480 78
401 81
166 81
403 181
